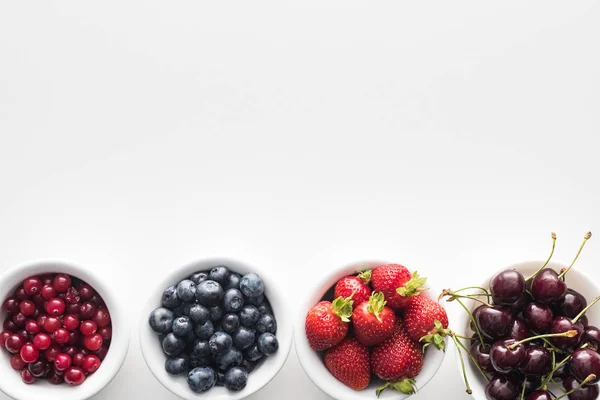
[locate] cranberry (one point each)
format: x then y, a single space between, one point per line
21 294
91 363
27 308
86 292
62 362
47 279
14 343
29 353
3 336
17 363
75 338
55 378
55 307
39 369
19 319
102 352
42 341
8 325
87 310
101 317
32 326
51 352
41 319
39 301
72 296
79 357
88 328
97 300
72 309
11 305
106 333
71 322
74 376
93 342
27 377
48 292
71 351
52 324
32 285
62 336
61 283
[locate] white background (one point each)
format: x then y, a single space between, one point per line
449 136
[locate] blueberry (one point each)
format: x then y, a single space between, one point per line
199 314
219 274
186 290
255 301
265 309
266 323
196 362
249 365
161 320
173 345
249 316
243 338
231 358
268 344
179 311
236 379
176 365
170 299
233 300
216 313
201 379
205 331
252 353
199 277
233 282
209 293
200 348
220 342
182 326
230 323
252 285
220 379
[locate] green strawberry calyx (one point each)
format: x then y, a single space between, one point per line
376 305
413 287
365 276
342 307
436 336
406 386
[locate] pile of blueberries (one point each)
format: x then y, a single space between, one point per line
215 326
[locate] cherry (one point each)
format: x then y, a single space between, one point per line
14 343
502 387
27 308
589 392
39 369
583 363
51 352
86 292
22 294
539 395
91 363
32 285
591 335
584 321
517 307
11 305
55 378
51 324
481 352
29 353
88 328
538 316
42 341
19 319
62 336
518 330
547 287
101 317
106 333
74 376
564 324
10 326
62 362
48 292
86 310
93 342
507 287
571 305
55 307
505 359
3 336
61 283
537 361
27 377
32 326
494 322
102 352
17 363
71 322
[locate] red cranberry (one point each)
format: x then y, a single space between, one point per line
39 301
48 292
17 363
101 317
79 357
54 378
41 319
91 363
55 307
19 319
32 326
27 377
27 308
32 285
61 283
62 336
72 296
86 292
29 353
86 310
75 338
11 305
88 328
73 309
71 351
97 300
52 324
74 376
106 333
51 352
14 343
39 369
21 294
47 279
102 352
62 362
42 341
3 336
8 325
93 342
71 322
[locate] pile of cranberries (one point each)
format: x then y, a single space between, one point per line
57 328
532 336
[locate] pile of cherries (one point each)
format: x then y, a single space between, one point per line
532 335
57 328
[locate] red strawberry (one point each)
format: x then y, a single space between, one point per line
397 360
397 284
349 362
327 323
359 285
373 322
426 321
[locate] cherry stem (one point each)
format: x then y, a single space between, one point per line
464 370
571 333
471 356
453 295
523 390
590 377
473 287
549 377
585 239
548 260
582 313
472 319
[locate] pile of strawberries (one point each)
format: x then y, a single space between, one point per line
378 323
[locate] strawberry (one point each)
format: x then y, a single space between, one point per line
349 362
426 321
359 285
373 322
397 361
327 323
397 284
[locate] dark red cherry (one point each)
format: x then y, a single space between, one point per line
588 392
584 362
547 287
584 321
591 335
562 371
539 395
518 330
532 383
517 307
507 287
505 359
571 305
562 325
502 387
494 322
537 361
481 352
538 317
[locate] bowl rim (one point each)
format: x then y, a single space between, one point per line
185 270
327 383
119 346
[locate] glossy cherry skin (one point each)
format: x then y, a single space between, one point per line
481 352
584 362
588 392
537 361
532 383
539 395
584 321
502 387
562 325
538 316
518 330
494 322
504 359
547 287
591 335
507 287
571 305
517 307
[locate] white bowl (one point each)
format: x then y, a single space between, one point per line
11 383
264 372
575 279
312 361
